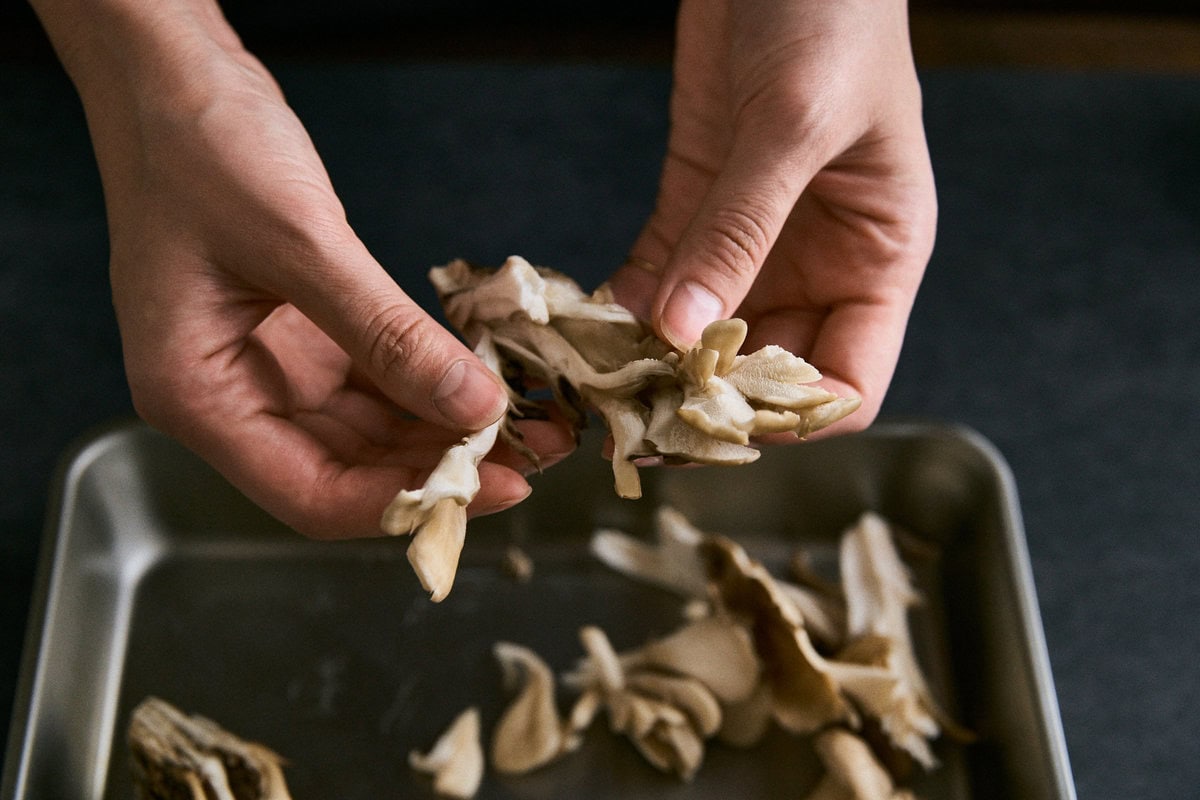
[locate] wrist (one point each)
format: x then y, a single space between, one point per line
114 50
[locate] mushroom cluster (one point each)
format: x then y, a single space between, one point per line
175 755
536 328
831 661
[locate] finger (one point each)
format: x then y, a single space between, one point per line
855 346
724 246
416 362
635 283
683 184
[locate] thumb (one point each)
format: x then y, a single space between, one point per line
720 252
413 360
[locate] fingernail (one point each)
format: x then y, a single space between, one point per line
502 505
687 311
469 396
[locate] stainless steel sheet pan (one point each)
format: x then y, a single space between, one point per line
158 578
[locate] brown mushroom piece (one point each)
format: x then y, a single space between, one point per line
672 562
688 694
663 718
456 759
530 733
176 756
436 513
805 696
851 770
715 650
878 666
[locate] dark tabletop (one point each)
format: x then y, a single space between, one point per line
1058 317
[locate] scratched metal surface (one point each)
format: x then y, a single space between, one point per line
158 578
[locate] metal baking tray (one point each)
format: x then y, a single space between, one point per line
158 578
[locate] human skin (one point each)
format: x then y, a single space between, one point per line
796 192
256 327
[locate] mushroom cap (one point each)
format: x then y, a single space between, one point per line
805 697
852 772
529 734
173 751
714 650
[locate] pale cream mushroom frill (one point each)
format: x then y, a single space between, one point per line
755 651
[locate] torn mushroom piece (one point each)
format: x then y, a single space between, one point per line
530 733
878 667
672 562
851 770
436 513
666 717
178 756
716 651
456 759
804 696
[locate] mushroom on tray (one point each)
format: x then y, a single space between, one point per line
456 759
180 757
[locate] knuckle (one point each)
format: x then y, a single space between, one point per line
738 241
399 338
159 396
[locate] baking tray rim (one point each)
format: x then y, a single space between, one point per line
93 443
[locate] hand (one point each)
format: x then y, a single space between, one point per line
797 191
256 327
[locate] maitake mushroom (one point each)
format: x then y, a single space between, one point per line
831 660
747 656
851 770
666 716
436 514
530 733
536 327
176 756
456 759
